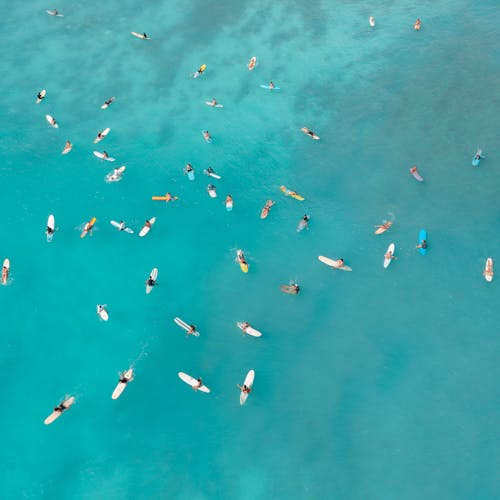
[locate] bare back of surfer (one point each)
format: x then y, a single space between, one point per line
384 227
192 329
245 389
198 384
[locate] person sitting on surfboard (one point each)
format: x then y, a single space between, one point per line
213 103
245 389
198 385
417 25
305 220
478 156
147 224
192 329
271 85
241 260
49 230
123 379
188 168
40 96
150 282
105 155
54 12
389 255
423 244
339 263
206 135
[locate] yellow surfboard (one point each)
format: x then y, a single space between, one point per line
293 194
88 227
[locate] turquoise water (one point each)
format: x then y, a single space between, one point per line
372 384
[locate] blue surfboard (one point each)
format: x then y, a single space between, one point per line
476 160
269 88
422 236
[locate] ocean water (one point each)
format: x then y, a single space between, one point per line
375 384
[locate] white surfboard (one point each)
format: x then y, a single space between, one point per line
127 375
488 270
101 135
115 175
67 403
119 226
249 330
209 103
193 382
249 383
390 248
371 21
101 312
40 96
333 263
51 223
54 13
102 156
140 35
145 229
211 174
185 326
153 276
52 121
212 191
5 271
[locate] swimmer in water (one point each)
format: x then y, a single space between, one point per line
417 25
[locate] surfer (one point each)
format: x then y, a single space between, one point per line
121 226
169 197
198 385
385 226
5 274
108 102
200 71
192 329
206 135
52 121
40 96
100 309
67 148
305 221
267 207
60 408
150 282
242 260
244 388
188 168
147 224
123 379
422 244
478 156
49 231
105 155
115 175
144 36
245 325
339 263
100 136
54 12
229 199
417 25
389 255
213 103
308 131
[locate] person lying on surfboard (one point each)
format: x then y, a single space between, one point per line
198 385
389 255
150 282
107 103
188 168
244 388
40 96
385 226
123 379
308 132
423 244
206 135
200 71
192 329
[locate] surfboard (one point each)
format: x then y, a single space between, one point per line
252 63
333 263
302 225
390 248
265 211
153 276
108 102
476 161
229 205
249 383
52 224
211 191
309 132
67 148
52 121
120 228
54 13
88 227
129 375
239 257
371 21
140 35
269 88
207 139
102 157
381 230
293 194
249 330
145 229
209 103
101 311
200 71
115 175
422 235
67 403
417 176
211 174
488 270
186 327
5 271
42 94
165 198
101 135
193 382
290 289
